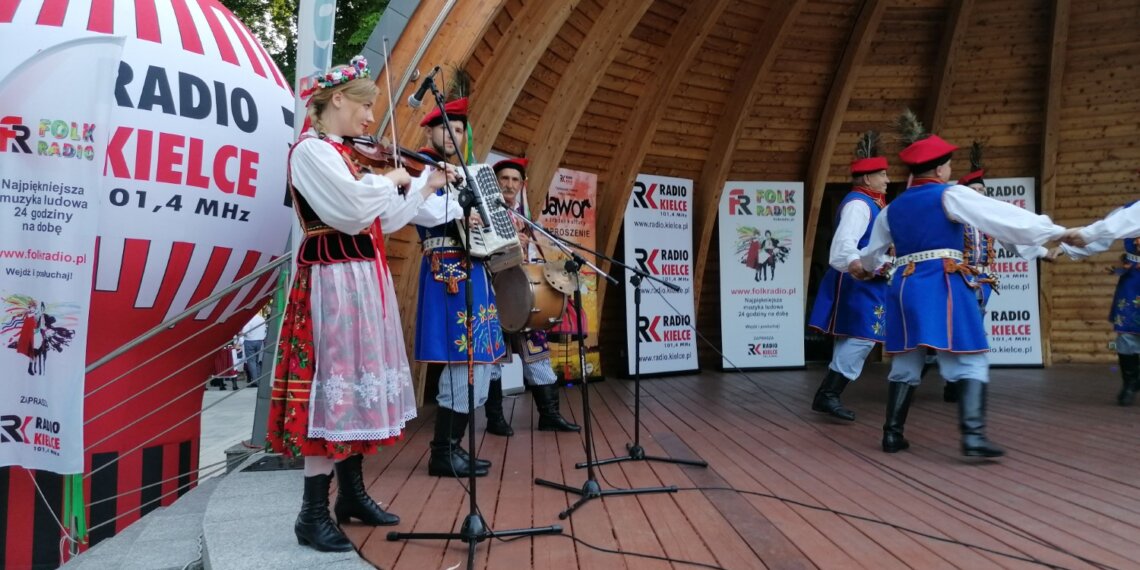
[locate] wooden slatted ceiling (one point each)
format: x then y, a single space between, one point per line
518 130
775 143
1096 167
1014 45
896 74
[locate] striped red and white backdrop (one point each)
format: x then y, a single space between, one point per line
202 114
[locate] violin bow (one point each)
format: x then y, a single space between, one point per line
391 102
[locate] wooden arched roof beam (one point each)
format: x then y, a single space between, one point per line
675 60
958 16
1058 48
514 59
831 120
575 89
757 62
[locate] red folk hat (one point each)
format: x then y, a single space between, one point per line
926 150
518 164
868 165
973 177
456 111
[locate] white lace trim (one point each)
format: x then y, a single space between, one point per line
363 435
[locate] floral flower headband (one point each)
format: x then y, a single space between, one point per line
356 69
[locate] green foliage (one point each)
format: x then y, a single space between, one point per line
274 22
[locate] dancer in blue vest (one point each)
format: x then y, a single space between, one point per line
441 330
930 303
850 303
978 251
531 346
1122 223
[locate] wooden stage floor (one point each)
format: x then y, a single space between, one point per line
823 494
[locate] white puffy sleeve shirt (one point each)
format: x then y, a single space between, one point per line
1121 223
1005 222
853 220
346 204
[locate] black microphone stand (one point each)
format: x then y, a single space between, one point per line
590 489
636 452
474 529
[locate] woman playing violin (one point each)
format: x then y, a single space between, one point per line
342 385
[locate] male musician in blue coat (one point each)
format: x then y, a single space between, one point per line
1122 223
441 313
930 303
850 301
531 347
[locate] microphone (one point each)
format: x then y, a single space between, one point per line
417 98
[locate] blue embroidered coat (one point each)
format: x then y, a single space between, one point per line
1125 313
930 303
846 306
441 330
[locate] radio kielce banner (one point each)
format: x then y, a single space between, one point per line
762 274
659 241
1012 319
570 212
52 147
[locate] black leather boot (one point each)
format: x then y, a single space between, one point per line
479 463
899 396
1130 376
972 420
352 499
496 422
950 392
827 396
447 458
314 527
549 418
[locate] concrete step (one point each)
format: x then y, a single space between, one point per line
249 525
167 538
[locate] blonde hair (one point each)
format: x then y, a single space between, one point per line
361 90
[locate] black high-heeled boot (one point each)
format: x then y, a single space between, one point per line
353 500
314 527
549 418
496 422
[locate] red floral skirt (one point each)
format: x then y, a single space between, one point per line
292 381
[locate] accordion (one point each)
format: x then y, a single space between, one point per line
496 242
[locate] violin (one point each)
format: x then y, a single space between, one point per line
376 154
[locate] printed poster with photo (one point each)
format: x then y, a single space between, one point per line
761 274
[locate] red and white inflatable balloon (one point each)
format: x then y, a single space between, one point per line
193 199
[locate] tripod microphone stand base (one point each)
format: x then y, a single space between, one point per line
591 490
474 531
637 453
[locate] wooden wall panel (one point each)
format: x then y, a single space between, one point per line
1096 165
992 86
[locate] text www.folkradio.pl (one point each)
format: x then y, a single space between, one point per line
31 254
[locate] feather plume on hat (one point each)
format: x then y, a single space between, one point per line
867 159
909 128
976 156
923 151
868 145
